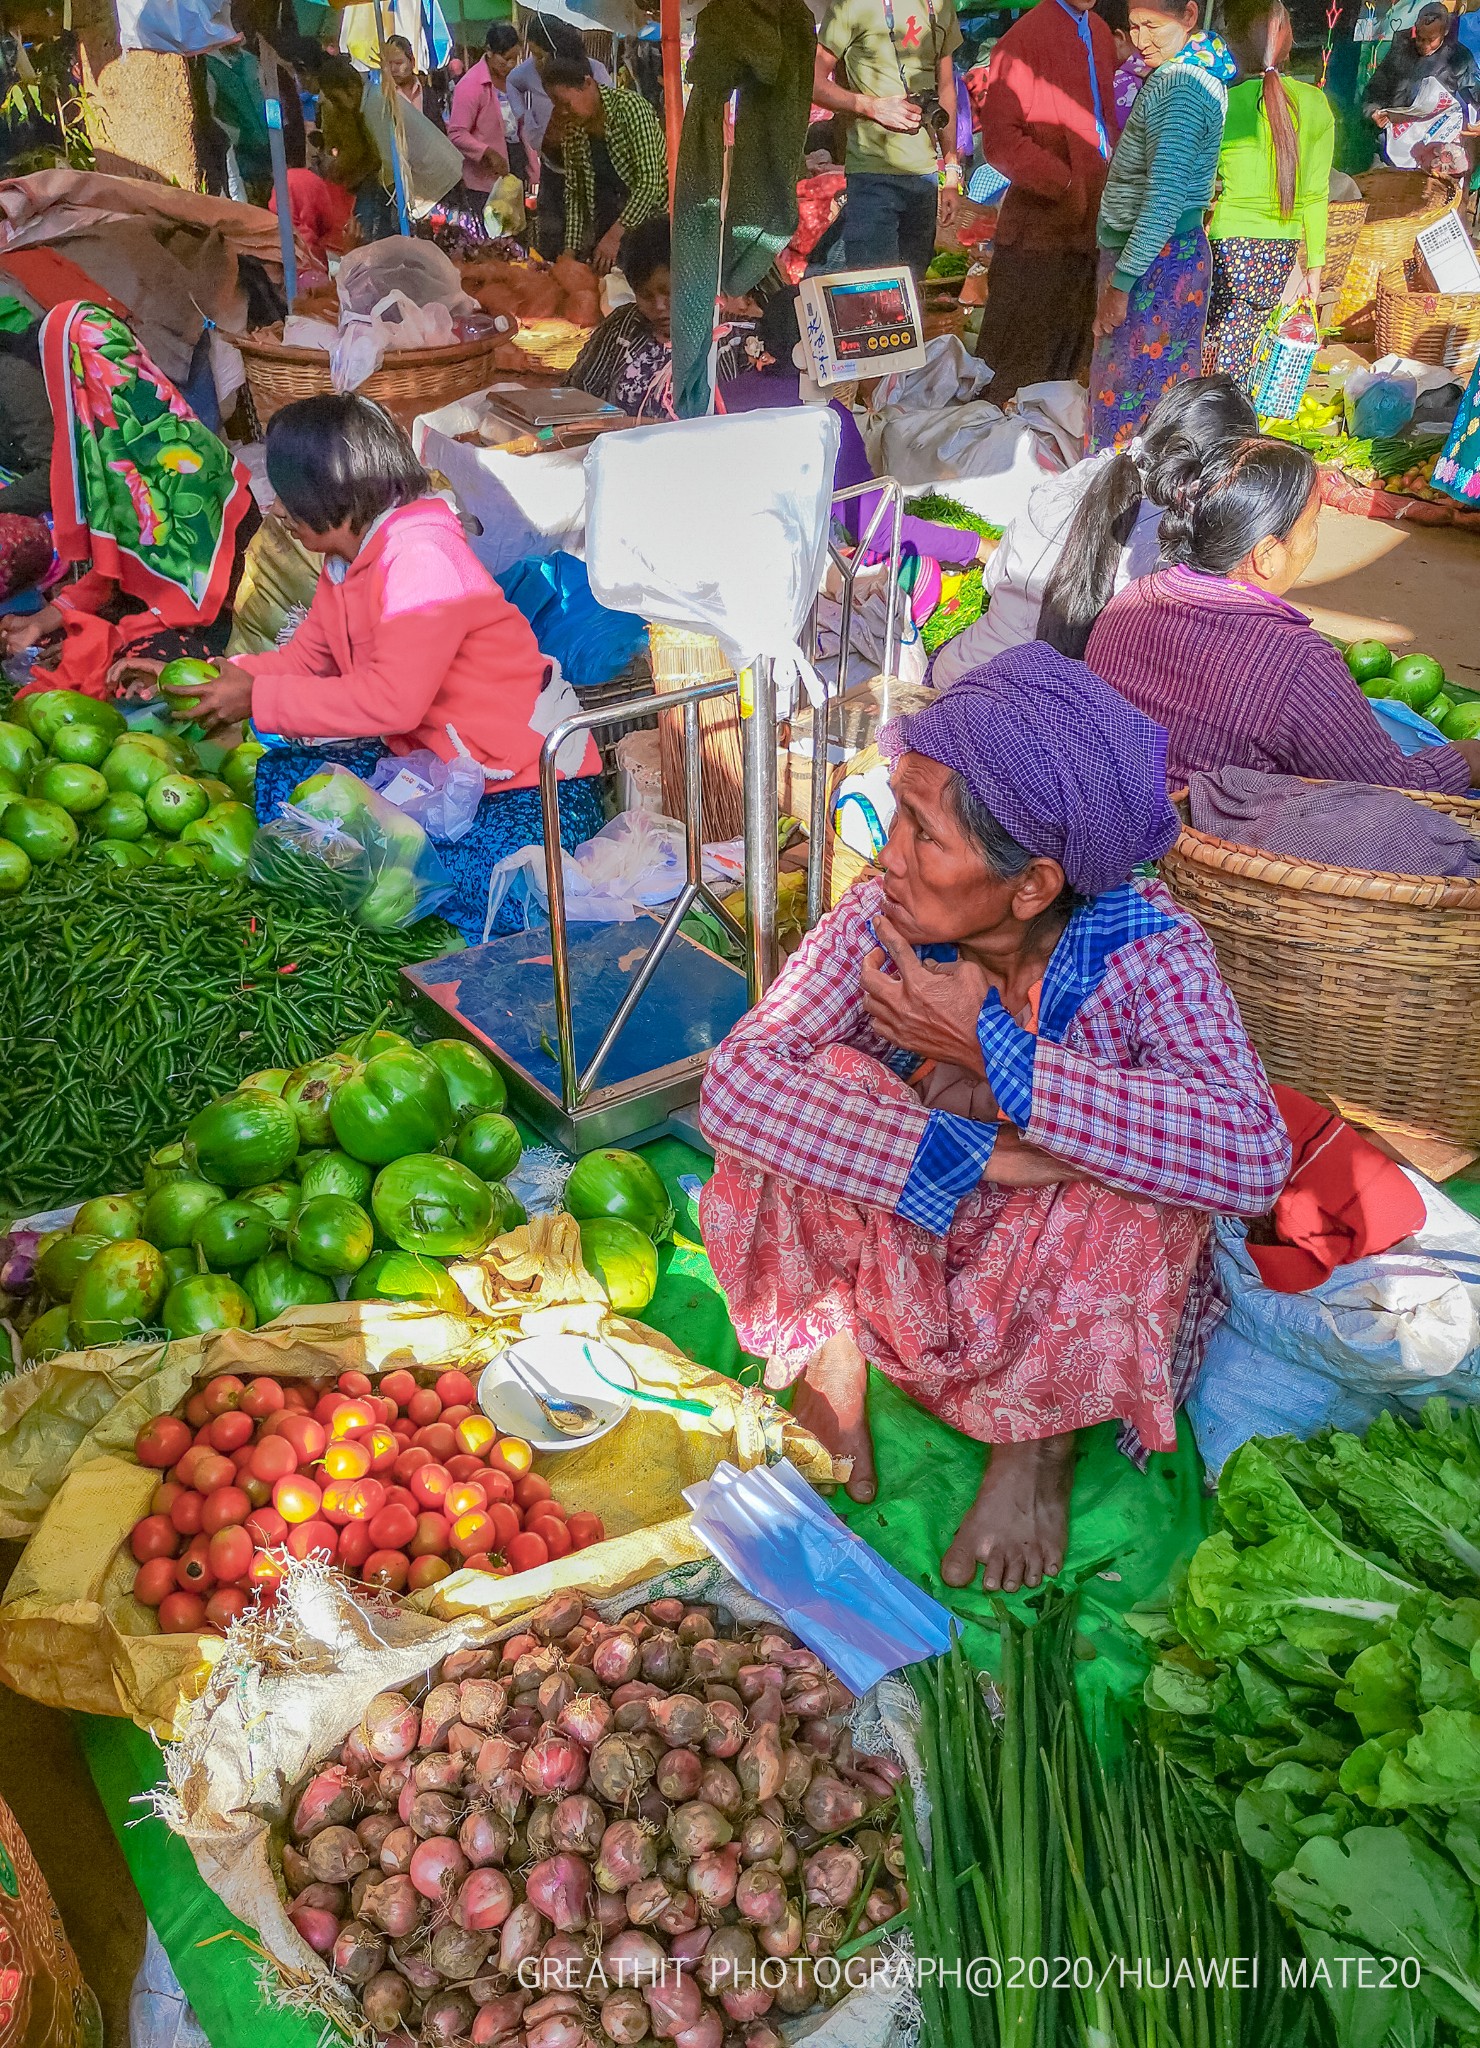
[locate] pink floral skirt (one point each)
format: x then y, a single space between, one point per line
1043 1310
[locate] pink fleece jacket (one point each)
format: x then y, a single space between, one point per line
416 637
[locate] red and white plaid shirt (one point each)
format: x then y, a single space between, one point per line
1154 1090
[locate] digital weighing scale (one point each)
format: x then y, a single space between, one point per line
861 323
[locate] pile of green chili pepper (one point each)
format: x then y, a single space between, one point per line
1100 1901
129 998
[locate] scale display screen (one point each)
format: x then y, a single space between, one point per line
861 323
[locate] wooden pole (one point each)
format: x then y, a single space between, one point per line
672 39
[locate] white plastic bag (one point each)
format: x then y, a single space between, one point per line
634 863
556 702
718 525
394 322
401 263
442 796
430 164
178 28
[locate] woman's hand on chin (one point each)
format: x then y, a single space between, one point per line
927 1007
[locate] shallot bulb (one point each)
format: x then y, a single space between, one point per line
720 1788
372 1831
696 1827
507 1794
296 1871
389 1727
448 2017
665 1661
783 1937
336 1854
620 1768
675 2001
553 1766
759 1767
463 1664
484 1837
392 1778
830 1806
396 1852
578 1824
708 2031
438 1712
680 1719
520 1937
648 1901
458 1951
393 1906
628 1854
436 1866
624 2017
558 2030
730 1961
609 1914
822 1930
499 2012
616 1659
319 1930
714 1876
481 1702
748 2002
387 2001
439 1772
324 1898
434 1813
761 1839
484 1900
727 1729
585 1719
680 1774
833 1875
414 1961
328 1800
681 1917
760 1895
633 1959
560 1889
463 1742
497 1754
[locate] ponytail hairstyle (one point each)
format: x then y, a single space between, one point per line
1260 35
1248 491
1195 417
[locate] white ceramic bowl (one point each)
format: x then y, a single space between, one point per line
561 1367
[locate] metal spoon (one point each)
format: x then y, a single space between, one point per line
571 1418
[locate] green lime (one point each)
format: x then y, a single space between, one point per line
88 745
174 802
1369 658
15 869
122 817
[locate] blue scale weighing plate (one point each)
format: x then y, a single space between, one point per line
502 996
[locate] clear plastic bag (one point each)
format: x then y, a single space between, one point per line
633 864
401 263
1379 403
442 796
335 841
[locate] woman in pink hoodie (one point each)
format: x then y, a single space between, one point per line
409 643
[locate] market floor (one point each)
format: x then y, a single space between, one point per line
1411 586
46 1784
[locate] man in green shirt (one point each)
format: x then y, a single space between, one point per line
887 65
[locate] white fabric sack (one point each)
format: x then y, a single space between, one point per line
720 526
524 504
177 28
950 375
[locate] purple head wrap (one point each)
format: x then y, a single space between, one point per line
1062 761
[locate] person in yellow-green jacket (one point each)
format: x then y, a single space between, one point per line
1275 169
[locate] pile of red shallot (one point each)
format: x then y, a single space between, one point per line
596 1834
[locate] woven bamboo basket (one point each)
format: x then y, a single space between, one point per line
1432 327
1344 223
1385 238
1361 989
408 382
681 660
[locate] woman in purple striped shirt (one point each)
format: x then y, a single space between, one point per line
1208 647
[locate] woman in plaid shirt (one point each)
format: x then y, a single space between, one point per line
977 1130
615 157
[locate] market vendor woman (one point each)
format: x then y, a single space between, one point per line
409 643
977 1130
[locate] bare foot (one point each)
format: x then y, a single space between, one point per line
830 1399
1018 1526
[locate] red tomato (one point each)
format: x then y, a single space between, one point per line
203 1434
388 1568
262 1397
230 1554
350 1416
526 1552
464 1497
324 1407
584 1530
185 1469
430 1483
425 1571
398 1386
195 1411
182 1614
345 1460
297 1499
355 1545
224 1508
307 1437
529 1489
554 1535
186 1513
476 1435
355 1383
466 1466
162 1442
258 1492
403 1429
393 1528
224 1605
316 1538
266 1573
455 1413
424 1406
498 1486
408 1462
472 1532
352 1500
155 1581
213 1471
230 1430
154 1536
454 1388
164 1496
384 1449
401 1496
266 1527
223 1392
433 1536
510 1454
241 1457
550 1507
273 1459
506 1525
193 1566
437 1438
298 1400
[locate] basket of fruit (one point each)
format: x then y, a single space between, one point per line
1359 988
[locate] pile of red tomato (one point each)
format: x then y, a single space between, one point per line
397 1483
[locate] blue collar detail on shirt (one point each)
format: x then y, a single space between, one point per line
1082 30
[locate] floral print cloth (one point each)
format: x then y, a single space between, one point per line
1158 344
140 488
1458 467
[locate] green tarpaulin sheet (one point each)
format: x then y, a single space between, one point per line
1141 1524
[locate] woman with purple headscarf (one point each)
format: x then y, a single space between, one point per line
977 1130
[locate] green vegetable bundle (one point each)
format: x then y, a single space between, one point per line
132 997
1320 1670
1097 1903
